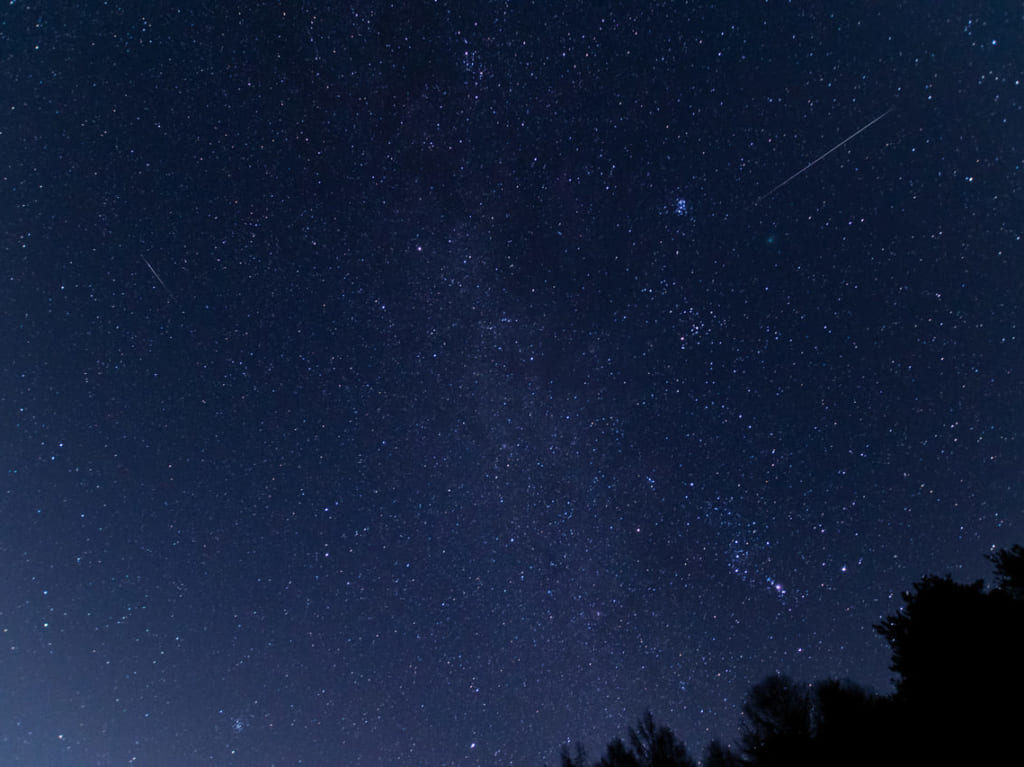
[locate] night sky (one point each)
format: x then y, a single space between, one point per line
431 384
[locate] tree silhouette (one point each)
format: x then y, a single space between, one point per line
776 725
618 755
650 745
958 652
852 726
717 755
932 634
958 656
657 746
954 640
579 759
1010 571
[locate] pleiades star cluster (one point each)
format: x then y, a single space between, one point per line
433 384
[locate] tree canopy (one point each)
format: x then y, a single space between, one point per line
958 656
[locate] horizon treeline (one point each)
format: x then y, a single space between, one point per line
958 656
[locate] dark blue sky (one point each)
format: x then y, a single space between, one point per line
426 384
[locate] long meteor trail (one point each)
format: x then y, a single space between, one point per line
816 160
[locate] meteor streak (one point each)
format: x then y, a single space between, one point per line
162 283
816 160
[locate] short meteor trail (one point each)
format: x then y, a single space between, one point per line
162 284
815 161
